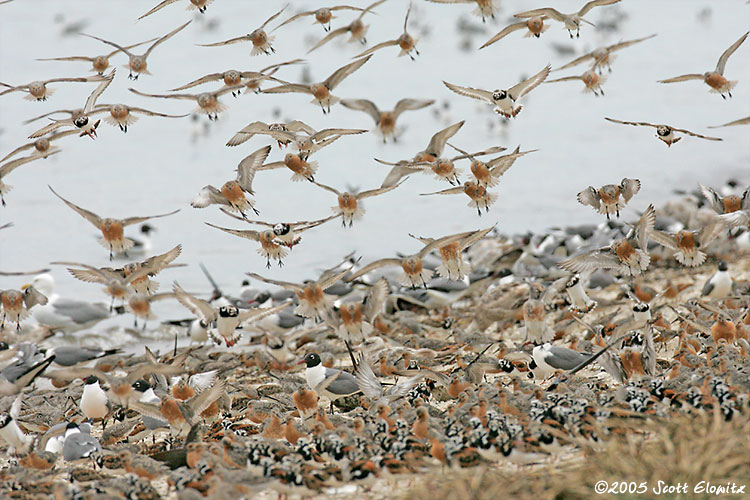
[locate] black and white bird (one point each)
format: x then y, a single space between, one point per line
73 355
719 285
548 358
149 396
18 441
94 402
227 318
329 382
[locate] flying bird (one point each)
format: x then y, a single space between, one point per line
665 133
714 79
571 21
386 120
405 41
607 199
137 63
504 101
260 39
603 56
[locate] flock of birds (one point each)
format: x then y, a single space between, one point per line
465 355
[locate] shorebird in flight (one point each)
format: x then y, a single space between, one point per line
357 29
323 15
208 102
321 91
534 25
99 63
665 133
610 198
571 21
714 79
625 256
201 5
112 229
591 80
260 39
386 120
137 63
405 41
232 193
504 101
603 56
38 90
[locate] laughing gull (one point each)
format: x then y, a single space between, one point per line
78 445
149 396
52 441
14 378
344 384
548 358
719 285
69 315
71 355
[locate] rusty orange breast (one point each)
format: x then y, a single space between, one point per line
111 230
716 80
731 203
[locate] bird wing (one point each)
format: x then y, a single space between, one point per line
505 32
547 11
736 219
663 239
501 164
683 78
589 196
136 220
328 188
328 279
453 190
564 359
374 265
197 306
642 124
697 135
204 79
113 44
474 237
601 258
248 166
91 100
713 198
305 225
160 6
521 89
439 242
133 109
204 399
71 58
725 56
628 43
260 313
374 192
327 132
191 97
365 105
242 233
273 17
208 195
411 105
645 226
367 382
296 16
387 43
330 36
565 79
284 284
89 216
165 38
482 95
437 142
243 38
594 3
287 88
14 164
376 297
159 262
576 61
338 76
629 188
741 121
711 231
102 275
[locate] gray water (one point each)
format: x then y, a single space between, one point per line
160 164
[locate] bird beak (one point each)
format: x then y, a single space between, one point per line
27 285
300 361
